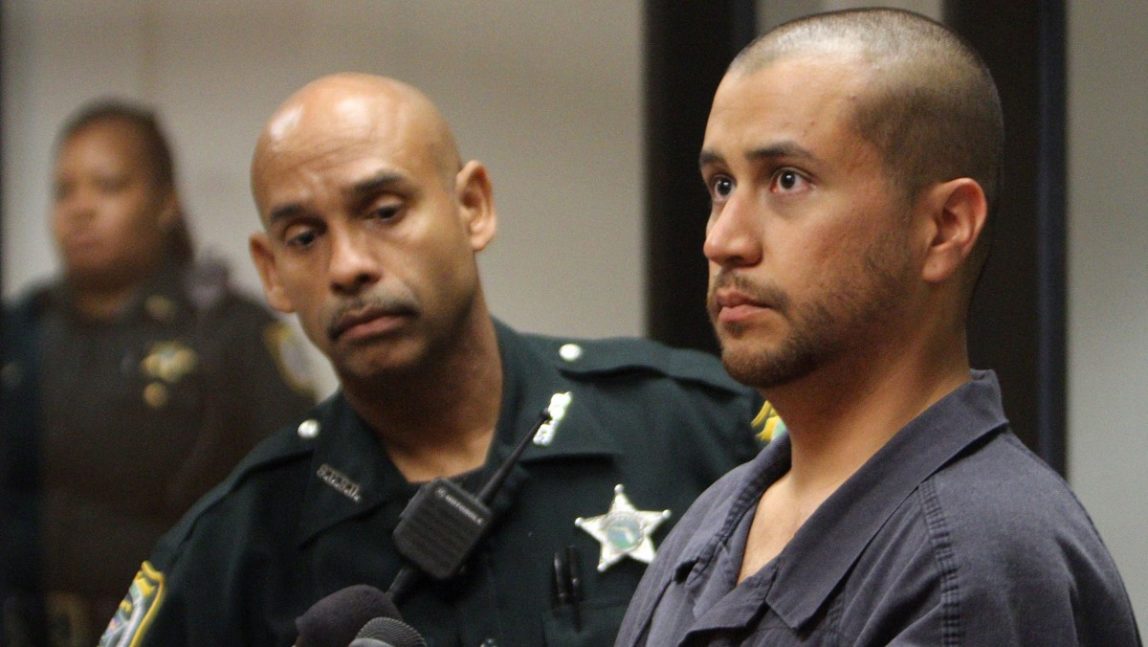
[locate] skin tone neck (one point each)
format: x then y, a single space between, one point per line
837 420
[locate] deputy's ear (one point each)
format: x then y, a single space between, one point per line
264 259
957 211
476 204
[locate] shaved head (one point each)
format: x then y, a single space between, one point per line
358 107
930 105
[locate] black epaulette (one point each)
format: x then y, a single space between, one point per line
622 355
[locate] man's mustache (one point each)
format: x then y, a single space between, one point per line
762 293
365 307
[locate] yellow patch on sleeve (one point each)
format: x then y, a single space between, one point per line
290 357
768 422
136 610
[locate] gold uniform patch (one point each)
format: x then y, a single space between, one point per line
137 609
769 423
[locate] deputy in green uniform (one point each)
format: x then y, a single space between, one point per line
132 384
371 228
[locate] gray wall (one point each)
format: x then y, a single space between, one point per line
548 94
1108 277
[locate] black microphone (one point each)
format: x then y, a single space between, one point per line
335 620
388 632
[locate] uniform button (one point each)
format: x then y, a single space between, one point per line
309 428
570 352
489 642
160 308
155 395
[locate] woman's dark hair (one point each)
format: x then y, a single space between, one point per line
160 160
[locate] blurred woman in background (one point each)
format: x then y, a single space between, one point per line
132 383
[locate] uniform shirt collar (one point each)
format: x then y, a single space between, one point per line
350 473
161 297
820 555
531 377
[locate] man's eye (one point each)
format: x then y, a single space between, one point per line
300 237
788 180
721 186
386 212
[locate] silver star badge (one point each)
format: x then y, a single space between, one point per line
623 531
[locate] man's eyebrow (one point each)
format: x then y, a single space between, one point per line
783 149
708 157
285 212
356 193
780 150
372 186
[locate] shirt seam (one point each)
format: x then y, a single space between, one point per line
944 555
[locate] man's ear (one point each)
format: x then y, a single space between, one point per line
957 210
264 259
476 204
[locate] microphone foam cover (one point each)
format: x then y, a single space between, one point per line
391 631
334 620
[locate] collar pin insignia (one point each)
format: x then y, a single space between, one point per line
559 402
340 482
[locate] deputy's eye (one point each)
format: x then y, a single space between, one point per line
299 236
386 212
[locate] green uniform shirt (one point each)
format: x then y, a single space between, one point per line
312 510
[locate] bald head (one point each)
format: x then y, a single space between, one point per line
352 109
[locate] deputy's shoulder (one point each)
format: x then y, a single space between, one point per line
590 358
278 456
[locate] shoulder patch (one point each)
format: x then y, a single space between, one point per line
283 445
290 357
136 611
768 423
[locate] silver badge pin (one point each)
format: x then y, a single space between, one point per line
623 531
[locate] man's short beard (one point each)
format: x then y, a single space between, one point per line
798 356
862 303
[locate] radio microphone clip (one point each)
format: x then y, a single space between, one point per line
443 522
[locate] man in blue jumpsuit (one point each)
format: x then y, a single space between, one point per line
852 160
372 224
